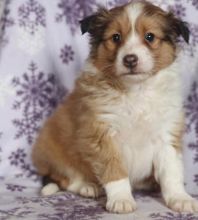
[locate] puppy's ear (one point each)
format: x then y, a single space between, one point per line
94 23
180 28
86 23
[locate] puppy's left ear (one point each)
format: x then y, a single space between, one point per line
181 29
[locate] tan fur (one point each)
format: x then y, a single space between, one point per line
73 138
107 51
153 21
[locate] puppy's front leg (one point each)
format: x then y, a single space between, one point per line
169 173
119 197
113 175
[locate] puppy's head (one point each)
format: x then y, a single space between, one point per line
137 39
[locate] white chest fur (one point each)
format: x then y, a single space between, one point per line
143 117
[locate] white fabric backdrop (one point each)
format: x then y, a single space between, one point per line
42 52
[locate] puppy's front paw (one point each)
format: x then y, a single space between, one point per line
183 204
121 205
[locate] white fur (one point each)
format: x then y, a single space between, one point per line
169 173
142 117
135 46
49 189
78 185
141 122
119 197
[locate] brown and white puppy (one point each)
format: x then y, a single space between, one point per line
124 120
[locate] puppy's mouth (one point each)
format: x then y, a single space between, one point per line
133 73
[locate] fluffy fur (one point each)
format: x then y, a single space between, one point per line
123 122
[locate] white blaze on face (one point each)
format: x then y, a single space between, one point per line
134 45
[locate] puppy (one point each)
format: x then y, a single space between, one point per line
123 122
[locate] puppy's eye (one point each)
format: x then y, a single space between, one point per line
116 38
149 37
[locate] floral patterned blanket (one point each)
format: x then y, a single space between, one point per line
41 54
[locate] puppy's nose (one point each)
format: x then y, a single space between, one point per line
130 60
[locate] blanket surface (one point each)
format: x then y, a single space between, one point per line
41 54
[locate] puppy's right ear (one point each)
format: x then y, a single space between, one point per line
87 23
93 24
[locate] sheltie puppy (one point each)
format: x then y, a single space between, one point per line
123 122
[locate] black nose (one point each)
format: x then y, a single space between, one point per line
130 60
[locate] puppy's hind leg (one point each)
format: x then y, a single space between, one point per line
53 184
49 186
84 188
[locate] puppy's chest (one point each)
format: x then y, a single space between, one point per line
138 114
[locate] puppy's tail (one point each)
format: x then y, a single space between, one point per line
49 186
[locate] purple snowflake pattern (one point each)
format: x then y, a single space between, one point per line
18 159
72 11
32 15
178 10
6 22
194 146
83 211
55 200
17 212
191 106
194 3
67 54
196 179
37 95
193 39
64 206
173 216
14 187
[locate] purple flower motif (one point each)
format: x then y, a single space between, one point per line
194 34
178 10
67 54
6 22
194 146
18 212
83 211
37 95
196 179
26 126
173 216
31 15
194 3
14 188
72 11
191 106
18 157
191 48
